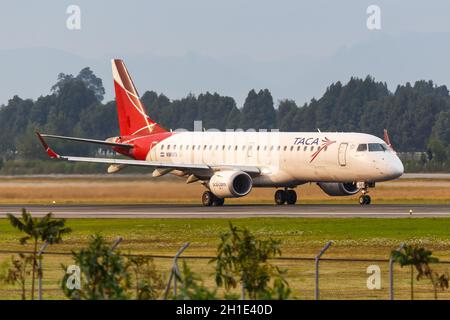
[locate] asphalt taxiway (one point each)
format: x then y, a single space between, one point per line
234 211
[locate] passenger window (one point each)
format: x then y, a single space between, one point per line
362 147
285 148
271 148
168 146
292 148
162 147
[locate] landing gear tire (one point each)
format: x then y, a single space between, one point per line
291 197
280 197
364 200
207 198
218 202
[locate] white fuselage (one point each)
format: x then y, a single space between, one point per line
286 158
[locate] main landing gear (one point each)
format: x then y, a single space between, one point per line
285 196
209 199
365 199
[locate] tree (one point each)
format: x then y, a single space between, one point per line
28 146
441 129
241 258
103 271
415 257
87 77
286 112
258 111
62 80
148 280
437 150
45 229
439 281
17 272
92 82
192 287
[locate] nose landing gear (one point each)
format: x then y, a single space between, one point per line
285 196
365 199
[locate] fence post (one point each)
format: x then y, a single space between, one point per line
40 252
325 248
116 243
391 273
174 272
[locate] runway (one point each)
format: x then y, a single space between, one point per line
234 211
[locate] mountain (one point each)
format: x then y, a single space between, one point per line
30 72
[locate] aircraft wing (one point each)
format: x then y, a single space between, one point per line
143 163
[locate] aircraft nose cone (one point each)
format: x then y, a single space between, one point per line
397 168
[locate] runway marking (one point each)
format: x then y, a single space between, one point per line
235 211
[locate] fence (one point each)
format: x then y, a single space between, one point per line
308 277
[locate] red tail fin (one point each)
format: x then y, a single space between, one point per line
133 120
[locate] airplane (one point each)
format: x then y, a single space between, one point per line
231 164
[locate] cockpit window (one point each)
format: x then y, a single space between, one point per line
362 147
376 147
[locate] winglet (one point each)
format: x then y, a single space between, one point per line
49 151
387 140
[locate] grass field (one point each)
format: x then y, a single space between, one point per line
353 238
147 190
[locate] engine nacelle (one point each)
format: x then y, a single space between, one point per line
230 184
339 188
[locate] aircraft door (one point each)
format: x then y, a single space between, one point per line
342 154
153 150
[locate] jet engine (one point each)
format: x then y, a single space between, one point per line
230 184
339 188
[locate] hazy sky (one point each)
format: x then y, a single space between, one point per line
227 32
260 29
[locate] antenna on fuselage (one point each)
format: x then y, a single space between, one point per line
319 130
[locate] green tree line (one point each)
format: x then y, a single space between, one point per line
416 115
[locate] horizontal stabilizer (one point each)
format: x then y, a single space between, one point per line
106 143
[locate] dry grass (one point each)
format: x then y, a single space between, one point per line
125 190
